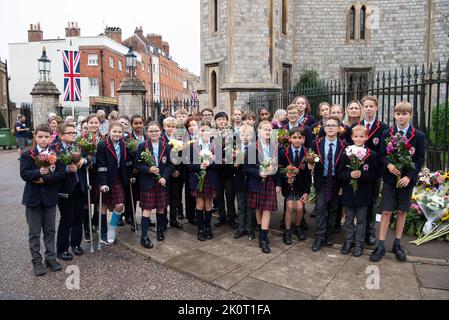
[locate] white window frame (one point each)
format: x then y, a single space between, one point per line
111 62
92 59
112 87
94 84
120 65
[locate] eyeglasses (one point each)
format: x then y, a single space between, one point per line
153 131
331 126
70 133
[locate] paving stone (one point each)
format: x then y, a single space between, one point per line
230 279
301 269
261 290
433 294
433 276
355 281
203 265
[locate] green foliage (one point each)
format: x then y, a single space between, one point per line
440 118
414 223
315 89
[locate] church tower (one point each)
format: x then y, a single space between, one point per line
246 47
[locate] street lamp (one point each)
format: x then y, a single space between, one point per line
131 61
44 66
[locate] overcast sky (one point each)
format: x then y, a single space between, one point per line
178 21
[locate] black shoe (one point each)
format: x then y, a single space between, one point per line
329 241
181 216
264 246
133 227
287 238
160 236
120 223
176 225
152 224
233 224
304 225
53 265
130 220
208 234
201 236
371 240
87 236
300 233
346 248
282 224
146 243
251 235
220 223
377 254
39 269
399 253
357 251
65 256
239 234
78 251
317 244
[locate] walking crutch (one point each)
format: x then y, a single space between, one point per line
100 204
89 188
132 206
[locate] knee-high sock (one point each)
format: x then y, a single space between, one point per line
160 222
208 219
263 235
145 224
113 225
200 218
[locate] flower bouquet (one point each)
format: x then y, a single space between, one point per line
265 166
148 157
316 130
356 156
290 173
205 155
46 159
88 143
71 155
283 138
312 157
399 153
132 145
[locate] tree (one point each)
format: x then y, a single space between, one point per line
314 88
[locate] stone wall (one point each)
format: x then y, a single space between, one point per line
43 105
130 104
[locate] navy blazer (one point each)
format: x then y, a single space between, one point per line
308 132
374 135
107 164
67 186
418 141
303 180
365 182
309 120
194 167
36 194
318 148
253 158
146 179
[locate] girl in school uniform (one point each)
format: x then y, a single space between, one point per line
197 166
263 179
295 191
154 181
324 112
304 109
113 179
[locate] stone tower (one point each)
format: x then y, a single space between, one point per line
254 46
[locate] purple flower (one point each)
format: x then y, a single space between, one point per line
390 148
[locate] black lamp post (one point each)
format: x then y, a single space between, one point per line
131 62
44 66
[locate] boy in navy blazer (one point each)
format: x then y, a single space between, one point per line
356 203
396 195
330 150
40 197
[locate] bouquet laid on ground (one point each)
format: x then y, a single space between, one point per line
148 157
399 153
205 155
132 145
72 155
46 159
283 138
290 173
88 143
265 166
356 156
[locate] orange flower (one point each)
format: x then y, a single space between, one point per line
52 158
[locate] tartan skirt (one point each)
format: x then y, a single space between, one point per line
155 198
116 195
265 199
208 191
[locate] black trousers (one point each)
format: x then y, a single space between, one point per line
226 210
176 186
70 224
188 199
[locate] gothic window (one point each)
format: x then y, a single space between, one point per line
213 89
362 22
352 23
215 15
284 17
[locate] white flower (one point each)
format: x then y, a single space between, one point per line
358 152
206 154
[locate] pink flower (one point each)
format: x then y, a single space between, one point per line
390 148
416 207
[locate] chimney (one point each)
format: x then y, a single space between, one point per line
156 39
115 33
166 47
139 31
72 30
35 34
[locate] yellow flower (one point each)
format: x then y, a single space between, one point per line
427 189
415 198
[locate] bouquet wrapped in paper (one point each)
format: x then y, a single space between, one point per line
399 153
71 155
46 159
356 156
148 157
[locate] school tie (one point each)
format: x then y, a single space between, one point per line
368 127
329 182
401 133
296 158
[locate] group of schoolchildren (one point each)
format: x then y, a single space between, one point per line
223 164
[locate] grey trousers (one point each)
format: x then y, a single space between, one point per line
355 232
326 213
245 212
41 218
372 209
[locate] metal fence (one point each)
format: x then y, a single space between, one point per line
426 89
154 108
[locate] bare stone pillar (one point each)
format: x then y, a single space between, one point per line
131 97
45 100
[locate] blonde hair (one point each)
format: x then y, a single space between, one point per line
114 124
278 113
346 117
291 107
404 106
170 121
246 129
360 128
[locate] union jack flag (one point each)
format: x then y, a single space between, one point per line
72 81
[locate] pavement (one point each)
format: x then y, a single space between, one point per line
181 267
